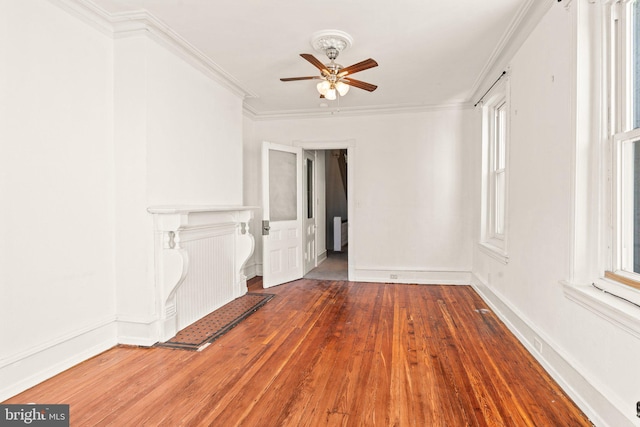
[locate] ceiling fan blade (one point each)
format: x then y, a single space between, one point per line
359 84
291 79
316 63
360 66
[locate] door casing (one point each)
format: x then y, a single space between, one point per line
350 146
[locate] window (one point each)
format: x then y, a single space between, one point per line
602 276
624 125
494 195
498 171
309 180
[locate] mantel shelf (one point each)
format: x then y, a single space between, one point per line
185 209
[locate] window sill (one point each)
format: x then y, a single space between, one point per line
494 252
623 278
615 310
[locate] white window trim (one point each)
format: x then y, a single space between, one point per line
622 225
491 242
595 207
618 83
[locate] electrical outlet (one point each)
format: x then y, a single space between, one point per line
393 276
537 344
638 409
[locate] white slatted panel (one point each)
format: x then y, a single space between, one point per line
209 283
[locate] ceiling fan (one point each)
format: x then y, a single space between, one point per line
336 79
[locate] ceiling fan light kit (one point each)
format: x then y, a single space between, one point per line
335 78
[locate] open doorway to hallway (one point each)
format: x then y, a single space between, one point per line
334 267
334 263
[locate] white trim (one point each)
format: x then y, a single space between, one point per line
588 157
194 209
39 363
135 23
515 35
350 146
139 331
628 136
493 243
57 341
614 310
312 262
596 400
409 276
615 186
494 252
174 227
351 111
88 12
251 270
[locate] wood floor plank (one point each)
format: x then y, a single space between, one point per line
324 353
314 378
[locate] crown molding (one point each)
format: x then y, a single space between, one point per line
137 23
515 35
351 112
88 12
141 22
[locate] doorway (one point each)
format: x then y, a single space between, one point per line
283 225
331 185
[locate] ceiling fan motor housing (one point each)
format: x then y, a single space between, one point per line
332 53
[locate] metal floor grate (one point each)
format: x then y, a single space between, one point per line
217 323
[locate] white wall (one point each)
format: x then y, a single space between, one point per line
411 189
94 130
594 360
252 191
56 250
178 141
194 135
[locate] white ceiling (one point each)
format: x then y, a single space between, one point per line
430 52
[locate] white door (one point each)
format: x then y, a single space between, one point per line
309 211
282 202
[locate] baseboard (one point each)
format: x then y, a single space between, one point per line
251 271
142 332
40 363
321 256
434 277
563 368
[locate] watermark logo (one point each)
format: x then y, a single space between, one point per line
34 415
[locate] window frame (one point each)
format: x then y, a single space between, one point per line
498 169
621 136
495 154
590 281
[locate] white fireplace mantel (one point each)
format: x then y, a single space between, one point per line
200 253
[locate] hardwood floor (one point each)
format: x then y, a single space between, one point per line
327 353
